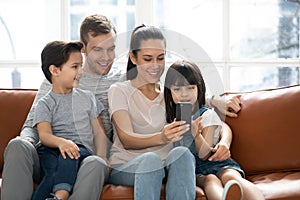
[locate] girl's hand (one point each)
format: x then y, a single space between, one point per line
197 126
70 148
173 132
221 152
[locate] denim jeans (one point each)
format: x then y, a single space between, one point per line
58 173
146 173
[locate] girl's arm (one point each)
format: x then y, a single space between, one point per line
204 139
226 135
100 138
48 139
222 149
130 140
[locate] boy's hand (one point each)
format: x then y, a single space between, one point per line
70 148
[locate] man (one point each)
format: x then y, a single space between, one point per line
21 163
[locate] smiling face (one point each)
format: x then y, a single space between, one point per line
150 60
66 77
100 53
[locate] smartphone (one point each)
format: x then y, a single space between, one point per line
184 112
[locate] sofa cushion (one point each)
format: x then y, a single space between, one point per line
114 192
271 117
16 103
279 185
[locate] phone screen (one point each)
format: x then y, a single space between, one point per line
184 112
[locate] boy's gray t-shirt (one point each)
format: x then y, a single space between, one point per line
98 85
70 115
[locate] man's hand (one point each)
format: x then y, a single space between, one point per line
26 139
230 107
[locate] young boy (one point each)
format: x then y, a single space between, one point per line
67 120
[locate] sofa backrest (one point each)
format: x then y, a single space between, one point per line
14 106
266 135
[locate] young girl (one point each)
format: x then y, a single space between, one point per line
219 179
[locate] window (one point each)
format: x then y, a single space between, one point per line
240 45
22 38
266 43
120 12
24 30
253 44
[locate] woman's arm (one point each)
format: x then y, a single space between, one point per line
131 140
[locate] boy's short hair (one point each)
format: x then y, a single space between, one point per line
57 53
96 24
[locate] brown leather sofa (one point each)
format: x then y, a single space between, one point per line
266 140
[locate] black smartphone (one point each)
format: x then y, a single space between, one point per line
184 112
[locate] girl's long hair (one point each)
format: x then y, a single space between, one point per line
183 73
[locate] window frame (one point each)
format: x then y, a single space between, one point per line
146 16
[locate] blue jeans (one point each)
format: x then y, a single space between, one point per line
58 173
146 173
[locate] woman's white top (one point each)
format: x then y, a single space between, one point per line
147 117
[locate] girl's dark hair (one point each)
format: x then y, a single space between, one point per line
57 53
139 34
183 73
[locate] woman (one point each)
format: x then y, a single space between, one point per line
142 154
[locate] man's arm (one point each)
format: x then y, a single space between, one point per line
100 138
28 132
